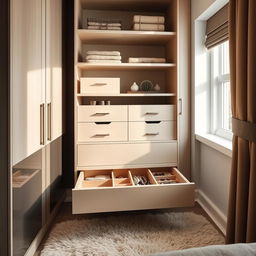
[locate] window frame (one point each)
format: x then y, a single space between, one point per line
216 93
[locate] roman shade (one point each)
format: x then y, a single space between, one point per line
217 28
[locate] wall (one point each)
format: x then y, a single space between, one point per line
210 168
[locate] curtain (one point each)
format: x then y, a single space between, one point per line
241 225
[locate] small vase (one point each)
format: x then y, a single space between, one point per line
134 87
157 87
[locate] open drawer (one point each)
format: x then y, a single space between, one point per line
133 189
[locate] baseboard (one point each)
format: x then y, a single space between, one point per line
32 250
212 210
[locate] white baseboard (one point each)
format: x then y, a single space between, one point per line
212 210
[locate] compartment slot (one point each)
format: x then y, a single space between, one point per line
121 178
142 177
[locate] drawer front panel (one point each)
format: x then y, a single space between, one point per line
127 154
132 198
100 85
165 130
102 113
96 132
152 113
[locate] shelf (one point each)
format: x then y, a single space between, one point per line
128 95
125 66
125 37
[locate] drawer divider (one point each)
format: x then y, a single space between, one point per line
130 177
151 177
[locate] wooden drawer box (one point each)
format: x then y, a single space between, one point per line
112 131
102 113
109 195
152 112
99 85
164 130
127 154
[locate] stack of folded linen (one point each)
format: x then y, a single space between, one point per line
148 23
98 24
146 60
103 57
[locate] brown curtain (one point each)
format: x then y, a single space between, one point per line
241 226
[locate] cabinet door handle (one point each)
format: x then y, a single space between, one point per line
99 84
102 135
49 121
101 114
41 124
152 134
180 106
152 113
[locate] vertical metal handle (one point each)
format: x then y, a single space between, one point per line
49 121
180 106
41 124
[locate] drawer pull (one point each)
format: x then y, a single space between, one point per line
102 135
152 122
99 84
152 134
152 113
101 114
102 123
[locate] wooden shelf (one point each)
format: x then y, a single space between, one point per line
128 95
125 66
125 37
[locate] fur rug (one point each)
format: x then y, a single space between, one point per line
130 235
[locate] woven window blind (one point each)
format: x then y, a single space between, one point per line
217 28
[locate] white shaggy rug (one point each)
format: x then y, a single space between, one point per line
130 235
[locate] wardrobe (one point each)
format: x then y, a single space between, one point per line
36 119
135 134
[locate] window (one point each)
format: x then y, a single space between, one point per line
221 117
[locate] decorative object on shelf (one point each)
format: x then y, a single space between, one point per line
101 102
148 23
107 102
146 85
104 24
103 57
146 60
135 87
157 88
93 102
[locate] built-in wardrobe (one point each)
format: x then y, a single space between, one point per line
122 135
36 119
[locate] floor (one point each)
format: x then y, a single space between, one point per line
65 213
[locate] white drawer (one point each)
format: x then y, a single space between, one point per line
102 113
164 130
127 154
94 132
99 85
105 196
152 112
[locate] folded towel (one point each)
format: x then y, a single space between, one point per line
104 61
146 60
148 27
101 57
104 53
104 24
148 19
103 28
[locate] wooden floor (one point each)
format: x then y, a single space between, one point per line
65 213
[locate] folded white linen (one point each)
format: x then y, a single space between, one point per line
90 23
104 53
103 28
148 19
148 27
101 57
146 60
104 61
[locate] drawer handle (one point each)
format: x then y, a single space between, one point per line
99 84
152 122
102 123
102 135
101 114
152 113
152 134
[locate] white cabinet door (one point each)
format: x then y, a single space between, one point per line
27 78
53 69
